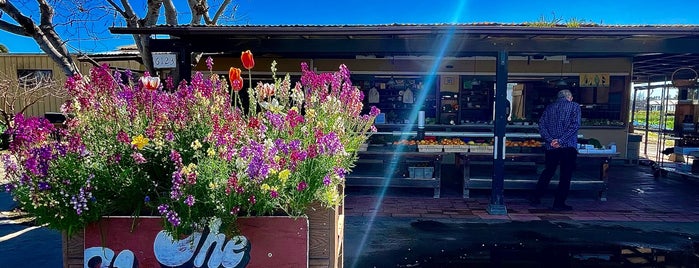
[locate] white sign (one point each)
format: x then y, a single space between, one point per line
164 60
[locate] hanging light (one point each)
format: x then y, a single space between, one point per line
474 81
562 82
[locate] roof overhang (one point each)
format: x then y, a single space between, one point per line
656 50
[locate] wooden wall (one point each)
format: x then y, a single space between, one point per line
11 63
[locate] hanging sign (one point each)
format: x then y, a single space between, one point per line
594 79
164 60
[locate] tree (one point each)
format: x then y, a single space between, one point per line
199 11
82 19
43 33
3 49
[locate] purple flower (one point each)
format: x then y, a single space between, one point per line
163 208
189 201
177 182
330 144
252 199
340 172
273 194
147 199
301 186
209 63
326 180
276 120
281 146
44 186
374 111
173 218
79 201
9 187
175 157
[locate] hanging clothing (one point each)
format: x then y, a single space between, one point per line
373 95
408 96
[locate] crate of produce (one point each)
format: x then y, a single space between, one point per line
456 148
363 147
431 148
421 172
481 148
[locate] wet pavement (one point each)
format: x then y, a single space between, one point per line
646 222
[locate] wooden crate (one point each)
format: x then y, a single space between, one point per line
325 249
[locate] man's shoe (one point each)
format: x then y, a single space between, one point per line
562 208
534 201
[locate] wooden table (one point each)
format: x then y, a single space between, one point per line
384 169
578 182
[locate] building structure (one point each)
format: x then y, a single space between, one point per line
598 63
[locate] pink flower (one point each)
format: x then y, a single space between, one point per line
138 158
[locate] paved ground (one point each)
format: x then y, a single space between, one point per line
645 222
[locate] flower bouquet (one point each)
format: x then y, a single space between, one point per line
193 154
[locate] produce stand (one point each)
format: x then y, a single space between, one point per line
517 180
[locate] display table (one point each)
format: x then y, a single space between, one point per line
392 169
683 168
483 162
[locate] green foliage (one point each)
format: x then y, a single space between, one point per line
574 23
3 49
653 119
558 21
545 22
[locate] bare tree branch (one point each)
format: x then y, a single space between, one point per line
45 36
220 11
117 8
153 12
11 28
170 12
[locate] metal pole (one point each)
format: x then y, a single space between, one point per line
497 198
645 148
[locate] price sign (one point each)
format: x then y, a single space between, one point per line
594 79
164 60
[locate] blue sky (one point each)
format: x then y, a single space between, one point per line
620 12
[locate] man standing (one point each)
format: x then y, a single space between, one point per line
558 127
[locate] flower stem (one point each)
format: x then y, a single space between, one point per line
252 105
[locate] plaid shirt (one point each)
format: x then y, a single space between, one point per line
561 121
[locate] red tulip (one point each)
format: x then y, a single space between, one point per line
235 78
150 83
247 59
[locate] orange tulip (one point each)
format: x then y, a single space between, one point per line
235 78
150 83
247 59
